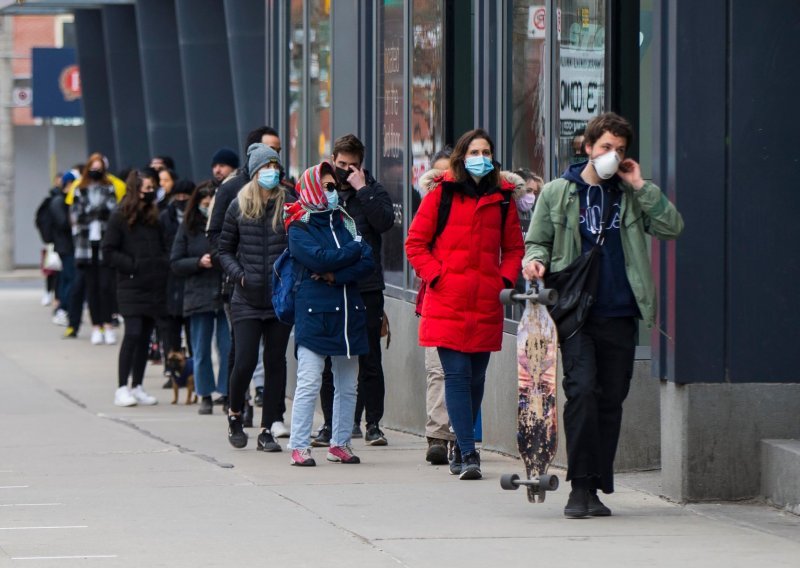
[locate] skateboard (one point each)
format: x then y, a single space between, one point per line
537 368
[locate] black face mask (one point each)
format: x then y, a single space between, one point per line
95 175
342 176
180 205
148 198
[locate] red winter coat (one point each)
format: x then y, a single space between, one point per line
471 262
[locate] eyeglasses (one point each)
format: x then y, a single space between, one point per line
330 186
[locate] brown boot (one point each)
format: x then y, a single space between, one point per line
437 451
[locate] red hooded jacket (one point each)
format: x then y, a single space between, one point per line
472 260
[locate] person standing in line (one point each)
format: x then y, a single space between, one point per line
167 179
94 200
598 358
252 239
465 267
366 201
224 164
64 246
202 301
330 316
135 246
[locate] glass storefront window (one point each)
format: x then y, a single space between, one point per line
296 89
319 76
581 66
390 128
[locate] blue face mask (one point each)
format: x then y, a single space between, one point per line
478 166
333 199
269 178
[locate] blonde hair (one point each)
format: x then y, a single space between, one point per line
253 203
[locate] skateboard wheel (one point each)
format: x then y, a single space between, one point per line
509 481
507 296
548 296
548 482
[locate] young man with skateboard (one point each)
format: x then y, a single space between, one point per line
598 358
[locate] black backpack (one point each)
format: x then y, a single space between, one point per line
44 220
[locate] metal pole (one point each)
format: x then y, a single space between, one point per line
51 148
6 149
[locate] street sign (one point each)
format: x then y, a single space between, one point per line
56 83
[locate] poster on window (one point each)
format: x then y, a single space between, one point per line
582 87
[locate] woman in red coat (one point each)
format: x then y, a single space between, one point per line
477 252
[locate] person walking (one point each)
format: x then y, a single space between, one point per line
135 246
252 239
94 200
202 301
330 316
465 265
570 214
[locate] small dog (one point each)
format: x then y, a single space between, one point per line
181 372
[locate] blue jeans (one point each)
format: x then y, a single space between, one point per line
65 278
309 379
202 331
464 377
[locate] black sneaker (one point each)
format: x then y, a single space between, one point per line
167 384
247 415
206 406
455 459
374 436
259 398
577 504
471 468
323 438
437 451
596 507
266 443
236 434
356 432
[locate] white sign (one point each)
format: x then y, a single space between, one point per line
21 96
582 88
537 22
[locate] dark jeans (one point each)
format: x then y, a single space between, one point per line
464 378
371 388
170 333
134 348
598 365
65 279
248 335
99 291
77 298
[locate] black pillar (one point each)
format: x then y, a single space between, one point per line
163 82
208 91
94 83
245 20
125 86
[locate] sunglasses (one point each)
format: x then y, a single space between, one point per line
330 186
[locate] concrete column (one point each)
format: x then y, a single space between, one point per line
6 147
208 89
162 81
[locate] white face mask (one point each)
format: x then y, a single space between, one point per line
606 165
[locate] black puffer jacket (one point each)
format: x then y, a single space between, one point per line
139 254
371 209
248 249
201 285
62 227
170 219
223 198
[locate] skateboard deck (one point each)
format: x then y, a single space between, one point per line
537 413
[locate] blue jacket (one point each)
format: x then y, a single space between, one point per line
330 319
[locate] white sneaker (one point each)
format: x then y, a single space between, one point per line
123 397
61 318
110 336
279 430
47 298
142 397
97 336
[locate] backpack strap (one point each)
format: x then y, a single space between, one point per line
445 204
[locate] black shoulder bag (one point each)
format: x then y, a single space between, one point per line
577 286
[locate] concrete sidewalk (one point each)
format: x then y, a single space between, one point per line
83 482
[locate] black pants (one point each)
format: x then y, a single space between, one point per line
170 334
598 365
134 348
371 388
77 298
99 291
248 337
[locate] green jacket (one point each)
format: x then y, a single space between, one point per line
554 238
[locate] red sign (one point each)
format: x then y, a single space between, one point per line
70 83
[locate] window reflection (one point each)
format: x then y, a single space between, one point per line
319 73
296 80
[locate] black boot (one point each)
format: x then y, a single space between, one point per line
578 502
206 406
247 414
437 451
596 507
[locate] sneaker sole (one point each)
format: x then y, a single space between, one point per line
378 442
470 474
125 405
269 449
576 515
334 459
307 463
238 444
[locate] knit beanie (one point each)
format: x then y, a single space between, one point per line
225 156
183 186
258 155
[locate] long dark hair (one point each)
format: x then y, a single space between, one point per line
460 173
132 208
194 221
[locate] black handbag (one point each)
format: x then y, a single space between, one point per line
577 287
